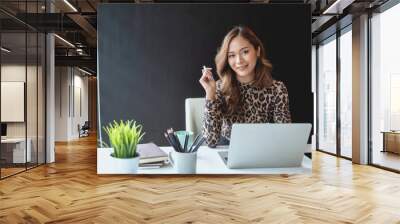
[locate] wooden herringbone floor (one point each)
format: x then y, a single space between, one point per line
69 191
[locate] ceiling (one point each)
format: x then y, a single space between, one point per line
76 20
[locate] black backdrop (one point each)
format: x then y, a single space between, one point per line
150 57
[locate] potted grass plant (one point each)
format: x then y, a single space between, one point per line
124 137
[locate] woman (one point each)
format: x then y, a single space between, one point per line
246 91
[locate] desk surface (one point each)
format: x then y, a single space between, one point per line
391 132
208 162
13 140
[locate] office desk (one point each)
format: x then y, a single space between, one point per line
208 162
17 150
391 141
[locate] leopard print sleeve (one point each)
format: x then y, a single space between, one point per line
213 119
281 105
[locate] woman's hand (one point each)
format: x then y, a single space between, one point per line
208 83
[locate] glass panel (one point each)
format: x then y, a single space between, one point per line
41 99
31 100
22 89
13 86
385 83
346 94
327 96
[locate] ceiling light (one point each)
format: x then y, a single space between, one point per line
79 51
84 71
5 50
338 6
70 5
65 41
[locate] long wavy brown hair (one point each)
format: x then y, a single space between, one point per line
230 84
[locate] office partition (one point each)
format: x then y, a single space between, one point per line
22 100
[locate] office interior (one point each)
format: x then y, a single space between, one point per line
27 59
49 68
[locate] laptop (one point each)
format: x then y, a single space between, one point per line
266 145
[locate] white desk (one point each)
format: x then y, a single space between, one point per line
208 162
19 149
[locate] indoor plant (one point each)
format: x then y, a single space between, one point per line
124 137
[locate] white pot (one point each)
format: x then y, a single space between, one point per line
123 165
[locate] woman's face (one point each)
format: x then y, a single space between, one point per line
242 57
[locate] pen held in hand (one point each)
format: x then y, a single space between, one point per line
209 76
205 68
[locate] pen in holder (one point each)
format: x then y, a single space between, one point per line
183 158
180 140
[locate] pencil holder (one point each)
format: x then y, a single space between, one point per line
183 163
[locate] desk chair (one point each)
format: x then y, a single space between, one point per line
84 130
194 114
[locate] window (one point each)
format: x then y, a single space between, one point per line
385 86
346 94
327 95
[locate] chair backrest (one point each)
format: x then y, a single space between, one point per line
86 125
194 114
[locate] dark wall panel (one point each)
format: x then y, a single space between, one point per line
150 57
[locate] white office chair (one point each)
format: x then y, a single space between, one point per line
194 114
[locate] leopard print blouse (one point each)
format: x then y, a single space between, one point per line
266 105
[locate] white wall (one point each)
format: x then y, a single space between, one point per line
61 103
16 73
33 126
80 102
71 102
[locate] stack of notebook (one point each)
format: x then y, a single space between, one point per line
151 155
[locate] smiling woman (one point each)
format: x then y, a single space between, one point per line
246 92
